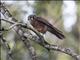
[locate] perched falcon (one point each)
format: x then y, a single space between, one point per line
42 25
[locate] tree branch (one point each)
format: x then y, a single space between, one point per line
26 42
64 50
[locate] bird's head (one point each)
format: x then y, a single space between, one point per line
31 17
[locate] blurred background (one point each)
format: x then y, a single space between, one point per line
64 15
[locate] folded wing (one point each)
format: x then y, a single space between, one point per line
51 28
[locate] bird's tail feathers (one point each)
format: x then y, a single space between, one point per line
56 32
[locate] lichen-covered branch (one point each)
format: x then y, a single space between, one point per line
64 50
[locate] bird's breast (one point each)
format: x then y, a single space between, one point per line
39 26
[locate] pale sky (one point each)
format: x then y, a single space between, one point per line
69 10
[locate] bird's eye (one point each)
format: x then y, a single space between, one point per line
31 18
